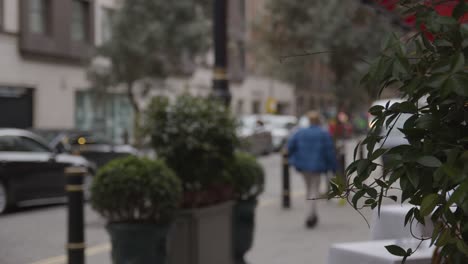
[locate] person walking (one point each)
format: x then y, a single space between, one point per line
311 151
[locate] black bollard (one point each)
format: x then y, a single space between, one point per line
286 182
74 188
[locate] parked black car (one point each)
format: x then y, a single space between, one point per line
31 172
90 145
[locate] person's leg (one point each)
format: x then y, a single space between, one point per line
314 193
307 182
312 182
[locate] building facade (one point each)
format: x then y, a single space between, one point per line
252 93
316 93
45 46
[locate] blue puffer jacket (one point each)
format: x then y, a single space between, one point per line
312 150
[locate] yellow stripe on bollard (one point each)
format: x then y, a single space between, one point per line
74 246
74 188
75 171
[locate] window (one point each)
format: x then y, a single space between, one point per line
79 20
29 145
282 108
106 24
256 107
7 143
111 116
322 104
242 13
1 15
300 106
39 16
21 144
312 105
241 54
240 107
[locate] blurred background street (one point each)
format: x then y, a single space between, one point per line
37 235
180 101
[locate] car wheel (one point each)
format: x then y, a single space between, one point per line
87 182
3 198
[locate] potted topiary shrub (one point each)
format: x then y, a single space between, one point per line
248 180
138 197
196 137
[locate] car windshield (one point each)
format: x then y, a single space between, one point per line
47 135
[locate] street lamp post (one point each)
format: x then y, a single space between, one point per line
220 79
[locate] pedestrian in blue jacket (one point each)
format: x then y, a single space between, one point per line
311 151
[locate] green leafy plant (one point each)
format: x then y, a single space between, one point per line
196 137
247 175
132 189
431 171
148 44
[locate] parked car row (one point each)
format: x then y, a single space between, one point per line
32 167
263 134
87 144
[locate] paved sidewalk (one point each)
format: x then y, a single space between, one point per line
281 236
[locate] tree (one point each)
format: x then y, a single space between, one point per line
151 40
431 171
344 31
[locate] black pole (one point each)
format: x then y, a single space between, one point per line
76 241
220 79
286 183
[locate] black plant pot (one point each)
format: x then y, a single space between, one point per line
243 228
138 243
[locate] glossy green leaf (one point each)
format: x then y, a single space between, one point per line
427 121
358 195
408 107
459 84
409 215
413 177
429 203
445 20
377 153
418 216
381 183
460 9
372 193
396 250
362 166
444 238
429 161
437 80
458 194
376 110
462 246
457 62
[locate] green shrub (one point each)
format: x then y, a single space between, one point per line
132 189
430 71
195 136
247 175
